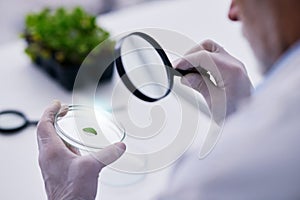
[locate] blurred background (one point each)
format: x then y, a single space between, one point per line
12 12
26 88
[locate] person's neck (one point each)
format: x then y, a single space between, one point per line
289 53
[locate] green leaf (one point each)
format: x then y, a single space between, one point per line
90 130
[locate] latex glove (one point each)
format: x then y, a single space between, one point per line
232 82
66 174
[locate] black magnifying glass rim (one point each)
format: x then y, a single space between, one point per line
124 76
17 128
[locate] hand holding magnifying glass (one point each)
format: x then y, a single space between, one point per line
145 68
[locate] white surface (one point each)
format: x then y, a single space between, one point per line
27 89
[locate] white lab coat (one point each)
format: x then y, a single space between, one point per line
258 154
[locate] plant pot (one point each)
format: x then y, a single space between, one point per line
66 75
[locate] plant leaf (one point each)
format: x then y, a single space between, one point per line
73 33
90 130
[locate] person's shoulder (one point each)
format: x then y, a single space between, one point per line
275 105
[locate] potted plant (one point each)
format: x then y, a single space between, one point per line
60 40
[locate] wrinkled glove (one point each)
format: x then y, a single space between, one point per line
230 84
67 174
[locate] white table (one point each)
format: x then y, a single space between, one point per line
27 89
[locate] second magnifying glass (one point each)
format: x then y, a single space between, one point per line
12 121
145 68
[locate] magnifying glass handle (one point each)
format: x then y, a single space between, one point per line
181 72
34 123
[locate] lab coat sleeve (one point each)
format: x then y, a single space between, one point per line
257 156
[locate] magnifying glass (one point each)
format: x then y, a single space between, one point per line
12 121
145 68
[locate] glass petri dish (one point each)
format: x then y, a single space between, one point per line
88 129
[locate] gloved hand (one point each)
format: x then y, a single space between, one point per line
232 83
68 175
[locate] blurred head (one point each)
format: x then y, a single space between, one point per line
271 26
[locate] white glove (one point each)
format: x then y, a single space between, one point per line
66 174
232 82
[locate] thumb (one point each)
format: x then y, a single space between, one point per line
195 81
199 83
109 154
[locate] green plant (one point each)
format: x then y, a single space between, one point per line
62 35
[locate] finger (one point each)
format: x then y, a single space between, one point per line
108 155
45 130
211 46
73 149
63 110
208 45
200 83
196 48
203 60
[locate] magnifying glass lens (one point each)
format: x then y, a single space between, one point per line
144 67
11 121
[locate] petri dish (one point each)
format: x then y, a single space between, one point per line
88 129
